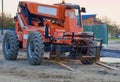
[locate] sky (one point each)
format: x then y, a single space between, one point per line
109 8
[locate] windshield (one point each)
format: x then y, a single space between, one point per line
78 19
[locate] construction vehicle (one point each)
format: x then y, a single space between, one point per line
50 28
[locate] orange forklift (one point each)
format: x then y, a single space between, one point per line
50 28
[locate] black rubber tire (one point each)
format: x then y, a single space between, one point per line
91 52
10 45
35 48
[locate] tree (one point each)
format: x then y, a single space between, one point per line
8 21
113 28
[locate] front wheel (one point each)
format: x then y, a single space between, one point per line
35 48
91 52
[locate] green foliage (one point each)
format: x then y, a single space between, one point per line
114 39
113 28
8 21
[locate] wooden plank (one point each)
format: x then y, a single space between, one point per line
107 66
65 66
87 57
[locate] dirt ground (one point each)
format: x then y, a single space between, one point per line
21 71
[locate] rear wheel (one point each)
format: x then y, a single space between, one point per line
91 52
35 48
10 45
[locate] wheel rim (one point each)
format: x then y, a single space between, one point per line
7 46
31 49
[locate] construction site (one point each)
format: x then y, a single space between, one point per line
56 43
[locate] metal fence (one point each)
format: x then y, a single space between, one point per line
100 30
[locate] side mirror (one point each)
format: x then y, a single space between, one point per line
83 10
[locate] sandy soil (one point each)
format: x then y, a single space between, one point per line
21 71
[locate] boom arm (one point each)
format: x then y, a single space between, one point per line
41 9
